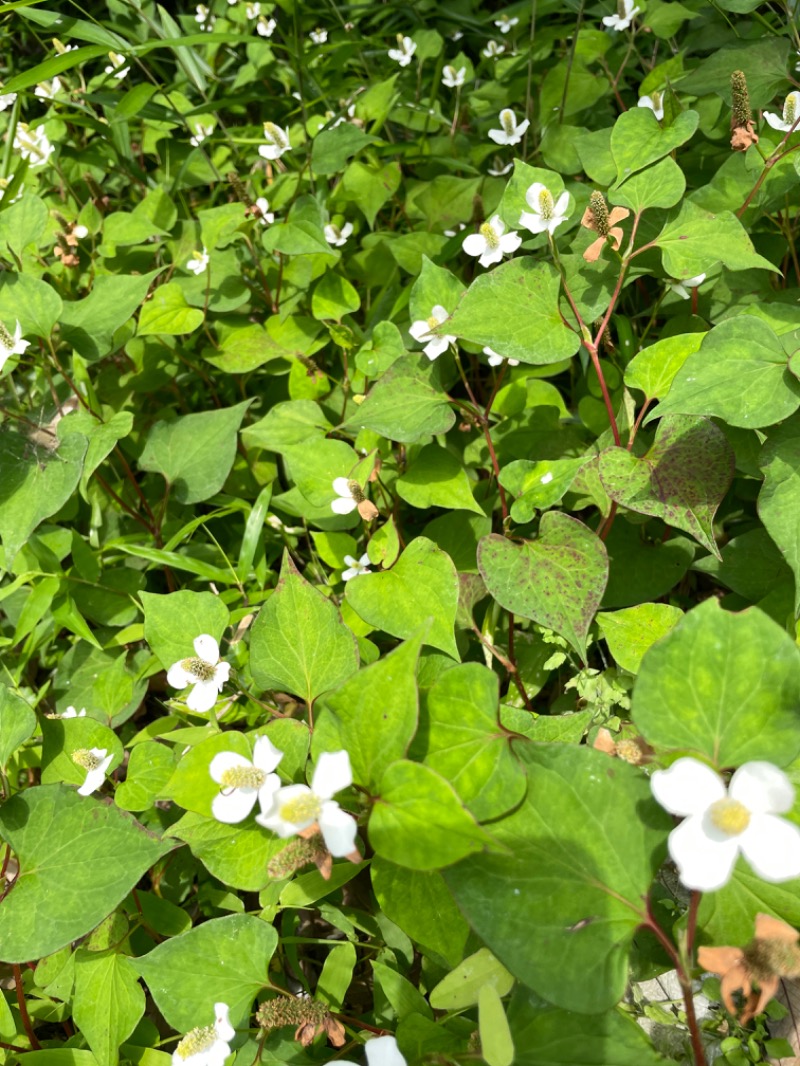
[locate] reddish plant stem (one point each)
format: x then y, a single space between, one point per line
776 156
510 666
637 424
691 921
23 1009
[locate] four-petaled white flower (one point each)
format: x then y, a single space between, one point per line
422 331
404 52
493 49
243 782
6 100
72 713
655 101
790 115
95 762
682 287
11 345
297 807
453 78
200 263
277 141
623 17
491 242
336 236
545 213
380 1051
719 823
203 670
200 133
318 36
116 66
33 145
505 23
509 132
495 359
265 215
266 27
253 10
356 567
207 1045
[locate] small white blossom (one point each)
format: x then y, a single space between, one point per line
496 360
200 133
95 762
72 713
720 823
253 10
356 567
265 27
48 90
453 78
491 242
204 671
682 287
200 263
6 100
33 145
243 782
655 102
266 217
509 132
458 34
80 231
404 52
493 49
344 489
498 171
318 36
545 213
380 1051
421 331
11 345
790 115
623 17
297 807
117 66
336 236
277 141
207 1045
202 14
506 24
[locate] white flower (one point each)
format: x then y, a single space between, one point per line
243 782
381 1051
277 142
80 231
421 331
11 345
296 807
266 215
207 1045
719 823
453 78
655 102
204 671
200 133
404 52
345 490
623 17
493 49
499 171
491 242
47 90
506 24
318 36
117 66
545 213
198 265
72 713
357 567
682 287
791 113
265 27
495 359
253 10
95 762
202 14
335 236
6 100
33 145
510 132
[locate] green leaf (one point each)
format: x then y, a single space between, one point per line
560 908
661 185
740 374
538 486
557 580
285 424
435 285
497 1045
422 584
299 643
150 767
631 632
418 820
17 724
370 186
402 995
682 478
752 565
779 498
23 223
167 312
654 368
730 912
245 349
194 453
237 855
89 879
404 405
638 139
462 986
89 324
332 148
29 301
61 737
298 238
694 240
514 310
225 959
108 1003
316 463
334 297
642 565
436 478
762 61
726 686
172 622
336 975
102 437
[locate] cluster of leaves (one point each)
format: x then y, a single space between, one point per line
226 234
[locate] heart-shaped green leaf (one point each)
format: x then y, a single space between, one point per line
779 499
638 139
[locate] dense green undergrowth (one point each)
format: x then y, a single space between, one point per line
399 495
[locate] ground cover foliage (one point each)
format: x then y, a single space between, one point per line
399 442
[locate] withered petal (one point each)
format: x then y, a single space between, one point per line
769 928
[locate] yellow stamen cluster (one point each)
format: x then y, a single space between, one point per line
489 234
199 668
507 121
281 1011
790 109
730 816
243 777
195 1041
740 100
301 809
86 759
5 337
599 209
355 489
274 134
546 204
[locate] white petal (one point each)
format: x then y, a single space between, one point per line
772 847
364 560
535 223
435 347
509 242
440 314
202 697
268 791
532 194
225 760
331 774
272 819
522 127
383 1051
419 330
265 755
687 787
222 671
234 806
177 677
94 779
704 864
762 788
474 244
225 1030
561 204
341 486
350 573
206 648
489 258
338 829
776 121
340 506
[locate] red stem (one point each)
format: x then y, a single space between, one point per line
23 1009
